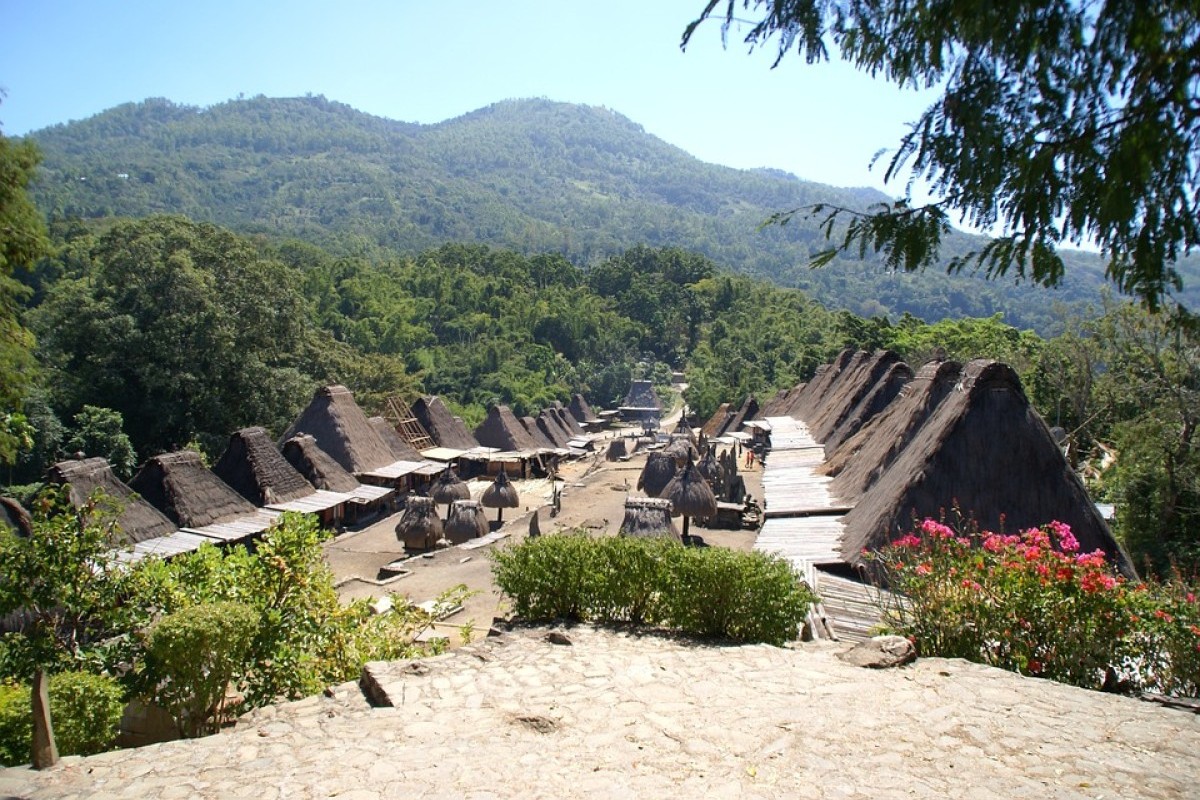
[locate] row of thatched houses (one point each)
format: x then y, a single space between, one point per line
334 461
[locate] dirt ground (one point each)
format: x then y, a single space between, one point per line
593 497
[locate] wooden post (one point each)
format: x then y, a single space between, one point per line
45 751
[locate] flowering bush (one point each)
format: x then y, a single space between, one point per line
1032 603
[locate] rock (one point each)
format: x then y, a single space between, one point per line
880 652
557 637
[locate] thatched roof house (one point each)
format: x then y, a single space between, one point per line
716 424
445 428
567 418
343 431
582 412
648 517
400 449
317 466
641 399
858 462
747 412
544 442
258 472
877 398
502 430
986 447
804 399
847 390
180 486
138 522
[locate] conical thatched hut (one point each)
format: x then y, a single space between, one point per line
859 461
138 522
180 486
710 468
501 494
582 412
690 495
419 527
656 474
446 488
985 447
680 448
445 428
502 430
877 398
648 517
258 472
343 431
466 522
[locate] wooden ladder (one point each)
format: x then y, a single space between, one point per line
407 425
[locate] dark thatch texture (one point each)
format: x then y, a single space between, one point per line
535 433
343 431
258 472
554 427
659 469
138 522
859 461
400 449
642 395
747 412
581 411
501 494
447 487
986 448
317 466
690 495
777 405
710 468
445 428
681 449
648 517
502 430
14 516
803 399
848 391
466 522
616 450
877 398
419 527
566 418
180 486
717 422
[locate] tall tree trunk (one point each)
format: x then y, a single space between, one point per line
45 751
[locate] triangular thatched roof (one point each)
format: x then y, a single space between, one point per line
317 466
139 521
180 486
502 430
581 411
550 427
717 422
877 398
747 412
567 418
445 428
777 405
859 461
343 431
399 449
642 395
420 527
258 472
804 399
14 516
846 390
465 521
985 447
544 442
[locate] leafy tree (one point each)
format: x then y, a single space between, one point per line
1065 121
99 432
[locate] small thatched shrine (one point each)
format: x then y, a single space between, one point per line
648 517
501 494
138 522
419 527
445 428
690 495
466 522
657 473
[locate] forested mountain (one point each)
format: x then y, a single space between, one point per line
531 175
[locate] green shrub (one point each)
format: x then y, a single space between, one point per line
705 591
85 710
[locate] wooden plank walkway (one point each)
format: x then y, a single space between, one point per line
803 524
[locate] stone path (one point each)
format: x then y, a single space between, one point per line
624 715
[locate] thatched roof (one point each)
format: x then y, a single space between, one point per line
690 494
877 398
448 487
466 522
616 450
680 448
986 448
567 418
581 411
642 395
502 430
180 486
445 428
802 399
554 427
777 405
656 474
258 472
317 466
343 431
849 388
501 493
648 517
13 515
747 412
717 422
400 449
859 461
139 521
543 431
419 527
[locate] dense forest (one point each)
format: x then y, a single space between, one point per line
141 332
532 176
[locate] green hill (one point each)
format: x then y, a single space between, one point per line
531 175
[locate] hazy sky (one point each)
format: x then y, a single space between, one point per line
429 61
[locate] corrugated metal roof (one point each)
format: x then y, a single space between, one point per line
237 529
815 540
443 453
365 493
318 501
172 544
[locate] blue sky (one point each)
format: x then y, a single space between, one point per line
428 61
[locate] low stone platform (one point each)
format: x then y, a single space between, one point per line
617 714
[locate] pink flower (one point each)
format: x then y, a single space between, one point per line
993 543
936 529
1066 540
908 540
924 569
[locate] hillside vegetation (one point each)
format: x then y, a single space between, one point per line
533 176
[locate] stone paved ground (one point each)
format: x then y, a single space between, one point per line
623 715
